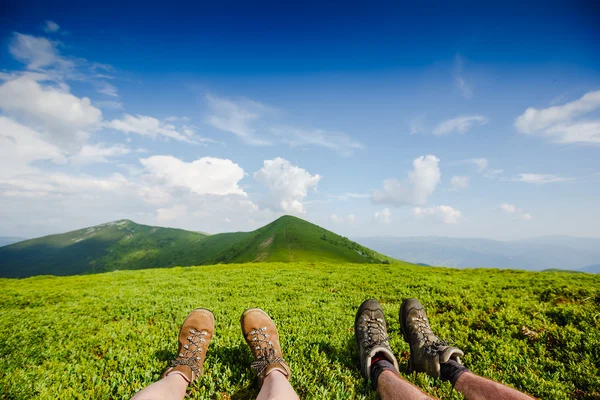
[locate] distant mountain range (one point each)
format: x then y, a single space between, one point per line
547 252
6 240
127 245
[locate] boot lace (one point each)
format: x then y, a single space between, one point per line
191 353
430 347
263 349
373 327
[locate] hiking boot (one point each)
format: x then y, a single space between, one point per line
194 337
260 333
370 330
427 351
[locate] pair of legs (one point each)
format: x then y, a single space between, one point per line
174 387
195 335
428 354
473 387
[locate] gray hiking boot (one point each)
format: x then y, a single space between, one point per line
370 329
427 351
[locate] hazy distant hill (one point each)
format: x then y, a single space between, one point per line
594 269
6 240
127 245
551 252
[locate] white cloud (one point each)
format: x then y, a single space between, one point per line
513 209
37 52
152 127
460 124
526 217
459 79
557 123
236 117
481 163
107 89
64 117
171 213
205 176
422 182
99 153
383 216
351 219
540 178
446 214
288 185
460 182
51 27
509 208
20 146
337 141
348 196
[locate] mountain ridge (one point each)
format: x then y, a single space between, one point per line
124 244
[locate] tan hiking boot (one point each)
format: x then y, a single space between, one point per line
427 351
260 333
194 337
370 330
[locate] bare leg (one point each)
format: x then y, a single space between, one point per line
276 387
391 386
171 387
475 387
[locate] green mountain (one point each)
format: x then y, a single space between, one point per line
124 244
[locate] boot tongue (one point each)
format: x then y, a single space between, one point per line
450 352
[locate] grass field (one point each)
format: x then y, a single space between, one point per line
108 335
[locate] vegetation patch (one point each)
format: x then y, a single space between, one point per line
108 335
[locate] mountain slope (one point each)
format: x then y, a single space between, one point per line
127 245
115 245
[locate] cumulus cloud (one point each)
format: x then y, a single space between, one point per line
460 182
153 128
460 124
288 185
383 216
509 208
422 182
558 123
21 145
540 178
51 27
207 175
446 214
64 117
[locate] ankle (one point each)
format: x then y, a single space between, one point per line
379 365
180 374
451 371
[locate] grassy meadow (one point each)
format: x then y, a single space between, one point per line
108 335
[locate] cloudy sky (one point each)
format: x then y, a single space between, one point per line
391 120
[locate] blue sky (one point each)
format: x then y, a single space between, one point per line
392 119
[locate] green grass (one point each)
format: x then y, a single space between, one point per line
124 245
108 335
